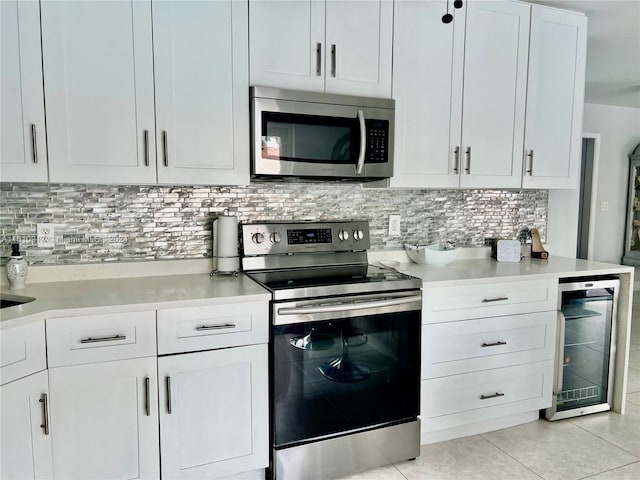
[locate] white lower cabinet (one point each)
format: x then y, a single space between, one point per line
213 412
104 420
25 443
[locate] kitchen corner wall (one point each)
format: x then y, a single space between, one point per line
107 223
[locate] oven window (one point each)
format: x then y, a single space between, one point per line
310 138
331 377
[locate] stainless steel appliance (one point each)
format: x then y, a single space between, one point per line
586 347
317 135
344 349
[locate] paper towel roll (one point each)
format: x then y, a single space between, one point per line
225 244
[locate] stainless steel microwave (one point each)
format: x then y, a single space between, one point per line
317 135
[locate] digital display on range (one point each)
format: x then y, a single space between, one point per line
309 235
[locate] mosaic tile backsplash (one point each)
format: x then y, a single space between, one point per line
98 223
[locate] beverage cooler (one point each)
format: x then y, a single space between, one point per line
586 347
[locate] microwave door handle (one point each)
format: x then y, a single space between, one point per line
363 145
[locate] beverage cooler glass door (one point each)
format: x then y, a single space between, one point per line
335 376
586 350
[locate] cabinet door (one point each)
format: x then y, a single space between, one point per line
287 43
555 98
359 37
427 86
23 154
214 414
495 79
25 447
202 84
104 420
98 79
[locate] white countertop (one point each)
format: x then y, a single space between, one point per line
128 294
96 296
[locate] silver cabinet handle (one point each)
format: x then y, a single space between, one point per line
215 327
467 154
318 59
494 395
168 384
165 148
496 299
34 143
333 60
147 404
363 142
103 339
529 170
45 413
494 344
146 147
456 159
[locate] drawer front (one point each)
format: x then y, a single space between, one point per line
463 399
213 326
100 338
441 304
22 351
453 348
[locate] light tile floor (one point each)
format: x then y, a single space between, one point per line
603 446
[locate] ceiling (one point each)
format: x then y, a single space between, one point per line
613 49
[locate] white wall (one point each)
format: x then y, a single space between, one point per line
619 130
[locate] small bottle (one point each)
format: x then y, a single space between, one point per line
16 269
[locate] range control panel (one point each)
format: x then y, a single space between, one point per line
304 237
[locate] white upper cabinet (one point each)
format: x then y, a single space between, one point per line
494 96
555 98
342 47
107 124
460 91
98 79
23 154
427 87
202 94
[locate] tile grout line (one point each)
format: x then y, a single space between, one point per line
610 470
607 441
511 456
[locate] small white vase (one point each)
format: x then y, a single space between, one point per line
17 272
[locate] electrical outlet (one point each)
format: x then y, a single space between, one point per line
394 225
45 234
604 207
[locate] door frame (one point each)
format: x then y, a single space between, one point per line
594 190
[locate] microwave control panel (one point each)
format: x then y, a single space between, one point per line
304 237
377 141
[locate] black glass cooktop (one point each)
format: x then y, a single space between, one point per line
332 280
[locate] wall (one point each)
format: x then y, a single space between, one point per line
98 223
619 128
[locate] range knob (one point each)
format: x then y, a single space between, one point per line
343 235
275 237
257 238
358 234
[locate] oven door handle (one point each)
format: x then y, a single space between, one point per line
347 307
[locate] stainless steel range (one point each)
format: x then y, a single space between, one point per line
344 349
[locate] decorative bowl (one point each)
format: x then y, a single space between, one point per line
434 254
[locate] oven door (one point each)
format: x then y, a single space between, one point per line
344 364
305 139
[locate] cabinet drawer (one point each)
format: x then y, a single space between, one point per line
441 304
100 338
463 399
212 326
22 351
471 345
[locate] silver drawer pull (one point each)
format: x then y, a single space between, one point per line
495 395
494 344
497 299
45 413
216 327
103 339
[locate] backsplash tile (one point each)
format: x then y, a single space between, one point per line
107 223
